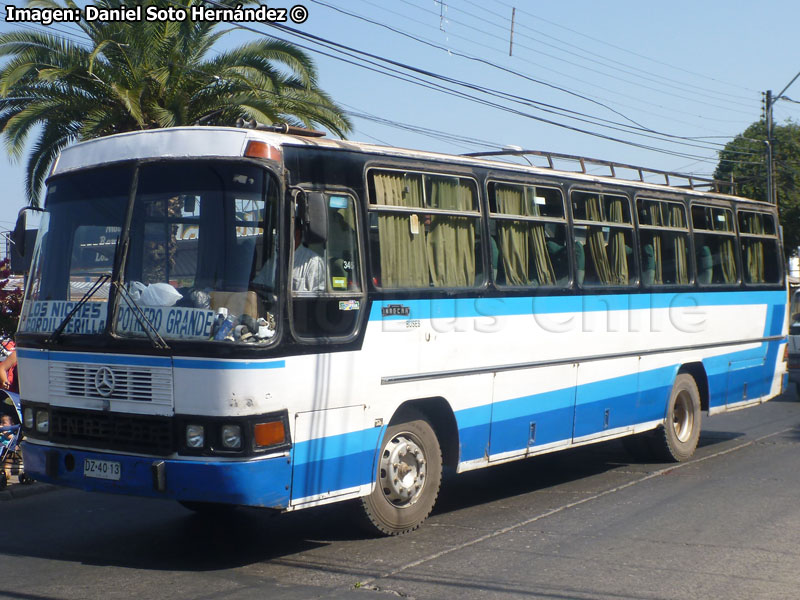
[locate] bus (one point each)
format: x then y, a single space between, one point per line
264 317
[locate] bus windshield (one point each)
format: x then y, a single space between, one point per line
199 231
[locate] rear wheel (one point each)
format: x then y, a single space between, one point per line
407 479
677 439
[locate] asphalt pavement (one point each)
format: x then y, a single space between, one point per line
14 489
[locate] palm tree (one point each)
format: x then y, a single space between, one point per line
130 76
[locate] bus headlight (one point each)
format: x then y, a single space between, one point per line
232 437
42 421
195 436
27 417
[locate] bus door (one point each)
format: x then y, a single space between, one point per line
333 450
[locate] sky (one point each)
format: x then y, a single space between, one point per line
658 84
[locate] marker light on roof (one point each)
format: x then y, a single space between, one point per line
257 149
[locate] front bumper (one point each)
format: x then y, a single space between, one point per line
249 482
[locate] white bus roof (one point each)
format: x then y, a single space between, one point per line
189 142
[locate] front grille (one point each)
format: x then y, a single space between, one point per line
136 383
113 431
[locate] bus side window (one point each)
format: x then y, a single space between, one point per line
341 253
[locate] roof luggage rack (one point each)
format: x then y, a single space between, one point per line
279 128
692 181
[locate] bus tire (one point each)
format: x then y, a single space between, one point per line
407 477
677 439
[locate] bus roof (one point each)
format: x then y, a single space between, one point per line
199 141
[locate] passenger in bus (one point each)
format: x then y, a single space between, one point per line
648 264
705 265
308 272
560 259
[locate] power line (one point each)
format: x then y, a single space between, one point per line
352 51
522 75
438 87
592 55
580 66
628 51
472 41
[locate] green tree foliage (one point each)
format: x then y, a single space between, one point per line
146 75
744 159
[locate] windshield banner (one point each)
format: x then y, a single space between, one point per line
45 316
171 322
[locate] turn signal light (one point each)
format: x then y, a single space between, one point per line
257 149
269 434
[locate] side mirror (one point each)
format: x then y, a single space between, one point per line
18 237
314 209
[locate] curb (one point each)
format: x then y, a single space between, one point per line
23 490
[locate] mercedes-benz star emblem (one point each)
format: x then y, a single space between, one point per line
104 381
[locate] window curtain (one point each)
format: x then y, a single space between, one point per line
618 252
451 240
656 219
597 243
521 239
544 266
679 245
402 236
727 259
754 250
512 236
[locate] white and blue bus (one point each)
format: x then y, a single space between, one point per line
244 317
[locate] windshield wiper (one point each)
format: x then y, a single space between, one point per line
54 337
147 325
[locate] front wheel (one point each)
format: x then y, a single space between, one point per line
677 439
407 479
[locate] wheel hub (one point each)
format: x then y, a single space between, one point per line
402 470
682 417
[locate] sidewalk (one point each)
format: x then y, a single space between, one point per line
15 489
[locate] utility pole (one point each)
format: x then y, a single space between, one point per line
772 192
768 101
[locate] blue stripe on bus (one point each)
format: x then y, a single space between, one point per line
450 308
150 361
85 357
223 365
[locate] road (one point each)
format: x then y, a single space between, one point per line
586 523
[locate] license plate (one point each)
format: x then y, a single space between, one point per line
102 469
